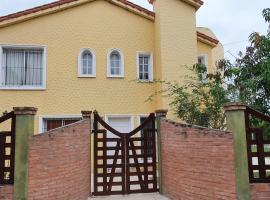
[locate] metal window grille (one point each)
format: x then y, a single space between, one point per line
22 67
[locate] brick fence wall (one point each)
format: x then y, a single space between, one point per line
260 191
197 163
59 163
6 192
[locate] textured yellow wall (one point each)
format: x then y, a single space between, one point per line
100 26
215 53
175 28
205 49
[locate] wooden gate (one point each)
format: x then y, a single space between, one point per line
124 163
7 151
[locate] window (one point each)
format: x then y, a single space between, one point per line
202 59
22 67
49 123
115 64
144 66
87 63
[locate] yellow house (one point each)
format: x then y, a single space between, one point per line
73 55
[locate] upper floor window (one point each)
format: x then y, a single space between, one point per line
202 60
87 63
145 66
115 64
22 67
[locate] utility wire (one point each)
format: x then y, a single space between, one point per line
237 42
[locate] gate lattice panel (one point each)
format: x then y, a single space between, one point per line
124 163
7 151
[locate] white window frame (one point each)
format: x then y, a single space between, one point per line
122 67
80 74
44 117
151 68
19 46
131 116
206 63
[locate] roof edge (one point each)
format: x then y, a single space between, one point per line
207 39
60 5
195 3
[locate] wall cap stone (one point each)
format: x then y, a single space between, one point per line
237 106
25 110
86 114
161 112
185 125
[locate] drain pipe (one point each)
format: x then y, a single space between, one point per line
161 113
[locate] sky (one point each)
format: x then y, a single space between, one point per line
231 20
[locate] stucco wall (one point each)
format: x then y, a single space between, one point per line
100 26
176 44
204 49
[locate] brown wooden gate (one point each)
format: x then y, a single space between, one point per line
7 151
124 163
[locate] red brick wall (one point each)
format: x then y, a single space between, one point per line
260 191
59 163
6 192
197 163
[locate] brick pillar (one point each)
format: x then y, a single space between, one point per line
235 117
161 113
87 115
24 129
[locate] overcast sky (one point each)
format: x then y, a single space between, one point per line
231 20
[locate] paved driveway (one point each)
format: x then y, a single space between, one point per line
150 196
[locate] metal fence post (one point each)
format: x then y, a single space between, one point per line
235 117
161 113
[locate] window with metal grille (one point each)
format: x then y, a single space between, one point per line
53 123
22 67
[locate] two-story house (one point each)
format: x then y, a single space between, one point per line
73 55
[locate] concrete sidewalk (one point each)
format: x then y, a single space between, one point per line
145 196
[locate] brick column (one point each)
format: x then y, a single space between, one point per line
161 113
87 115
235 116
24 129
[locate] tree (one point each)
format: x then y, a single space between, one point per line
199 101
249 78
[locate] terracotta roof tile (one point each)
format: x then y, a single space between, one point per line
206 37
62 2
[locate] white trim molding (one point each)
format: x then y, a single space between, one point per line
122 64
44 66
80 74
151 66
42 117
